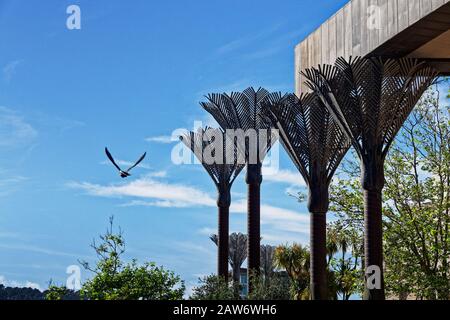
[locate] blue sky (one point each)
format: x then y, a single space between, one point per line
126 80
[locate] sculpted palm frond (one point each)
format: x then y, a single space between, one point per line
370 97
237 251
241 110
267 260
309 134
219 158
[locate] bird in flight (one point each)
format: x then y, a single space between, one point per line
122 173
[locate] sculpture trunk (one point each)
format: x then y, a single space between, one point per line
318 256
373 182
223 203
223 242
236 274
318 202
253 179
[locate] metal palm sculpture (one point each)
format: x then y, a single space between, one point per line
221 164
237 252
240 110
267 260
316 145
370 99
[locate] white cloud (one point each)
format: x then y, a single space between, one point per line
162 139
149 192
284 176
278 238
17 284
276 217
207 231
163 194
14 130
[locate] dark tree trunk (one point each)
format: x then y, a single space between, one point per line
223 202
373 182
253 179
237 274
318 202
318 262
223 244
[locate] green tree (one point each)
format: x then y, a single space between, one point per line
277 286
55 292
116 280
345 252
213 288
295 260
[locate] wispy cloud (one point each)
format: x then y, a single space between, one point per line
10 184
14 130
40 250
9 70
276 217
18 284
207 231
57 122
284 176
147 191
162 139
247 40
160 193
275 39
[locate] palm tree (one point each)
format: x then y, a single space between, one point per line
316 145
346 273
223 172
295 260
239 111
237 252
370 99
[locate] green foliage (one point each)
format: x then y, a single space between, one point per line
55 292
295 260
213 288
10 293
345 252
115 280
416 205
417 214
275 287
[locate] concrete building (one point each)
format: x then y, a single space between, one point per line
388 28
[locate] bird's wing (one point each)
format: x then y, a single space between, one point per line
112 159
137 162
